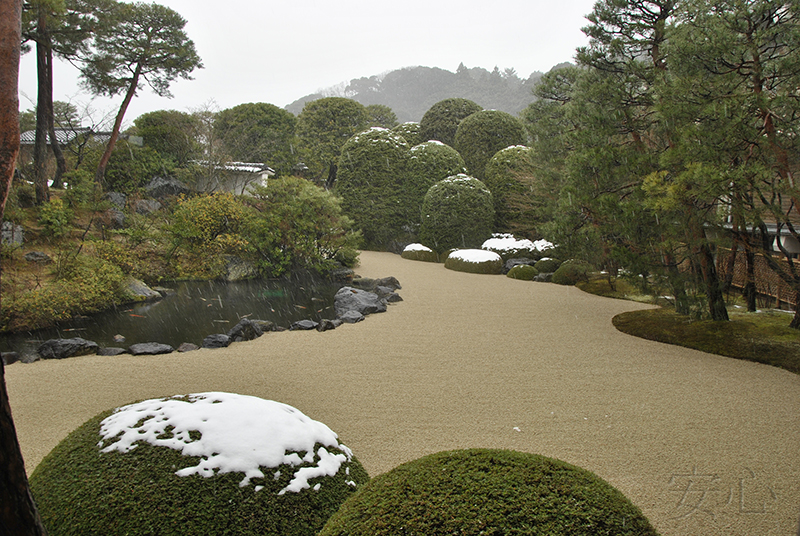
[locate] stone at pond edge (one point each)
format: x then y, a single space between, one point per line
237 269
140 291
111 351
351 317
187 347
245 330
352 299
63 348
303 325
326 325
9 357
217 340
150 348
394 297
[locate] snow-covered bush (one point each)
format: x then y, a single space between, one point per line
418 252
474 261
457 213
209 463
483 491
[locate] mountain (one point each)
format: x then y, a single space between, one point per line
411 91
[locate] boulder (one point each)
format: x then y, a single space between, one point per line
237 269
510 263
245 330
62 348
353 299
9 357
117 199
392 297
367 283
113 218
265 325
326 325
161 187
150 348
343 275
111 351
119 338
544 278
38 257
140 291
12 234
351 317
303 325
187 347
217 340
146 206
390 282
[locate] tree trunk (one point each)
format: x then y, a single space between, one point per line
44 111
18 513
112 142
61 162
716 299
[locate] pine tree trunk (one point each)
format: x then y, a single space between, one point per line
40 153
61 162
112 142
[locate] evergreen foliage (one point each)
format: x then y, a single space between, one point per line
381 116
81 491
524 272
409 131
492 264
172 134
372 168
429 163
258 132
481 491
572 272
519 197
457 212
482 134
441 121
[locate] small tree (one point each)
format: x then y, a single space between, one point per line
521 200
372 168
171 133
457 212
482 134
137 44
441 121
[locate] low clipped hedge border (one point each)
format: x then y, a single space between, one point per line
81 491
492 492
455 263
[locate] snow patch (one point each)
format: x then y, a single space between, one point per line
475 255
417 247
237 433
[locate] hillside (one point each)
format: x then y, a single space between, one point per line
411 91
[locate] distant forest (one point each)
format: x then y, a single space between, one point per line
411 91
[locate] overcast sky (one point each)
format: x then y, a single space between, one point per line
279 51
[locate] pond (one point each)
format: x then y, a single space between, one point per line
195 310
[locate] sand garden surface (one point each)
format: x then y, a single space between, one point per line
704 445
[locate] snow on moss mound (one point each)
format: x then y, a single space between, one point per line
509 247
482 491
208 463
475 261
418 252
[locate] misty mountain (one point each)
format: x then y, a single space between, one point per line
411 91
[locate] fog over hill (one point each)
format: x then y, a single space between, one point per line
411 91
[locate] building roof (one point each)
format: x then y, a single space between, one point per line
63 135
246 167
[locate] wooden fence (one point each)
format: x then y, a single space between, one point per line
772 290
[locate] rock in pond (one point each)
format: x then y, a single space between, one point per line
326 325
217 340
187 347
63 348
150 348
353 299
111 351
245 330
303 325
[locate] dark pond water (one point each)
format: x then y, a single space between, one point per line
197 309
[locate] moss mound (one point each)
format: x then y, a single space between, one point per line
474 261
572 272
547 266
80 489
418 252
487 492
523 271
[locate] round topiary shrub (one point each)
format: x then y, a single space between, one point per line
520 199
482 134
474 261
418 252
525 272
482 491
457 212
547 265
441 121
572 272
209 463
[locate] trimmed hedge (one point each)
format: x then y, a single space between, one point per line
481 135
418 252
441 121
572 272
547 265
481 491
409 131
525 272
474 261
456 213
518 199
80 490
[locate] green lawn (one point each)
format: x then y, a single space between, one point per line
763 337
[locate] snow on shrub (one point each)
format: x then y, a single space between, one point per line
509 247
418 252
476 261
196 464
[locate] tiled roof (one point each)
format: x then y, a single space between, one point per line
63 135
